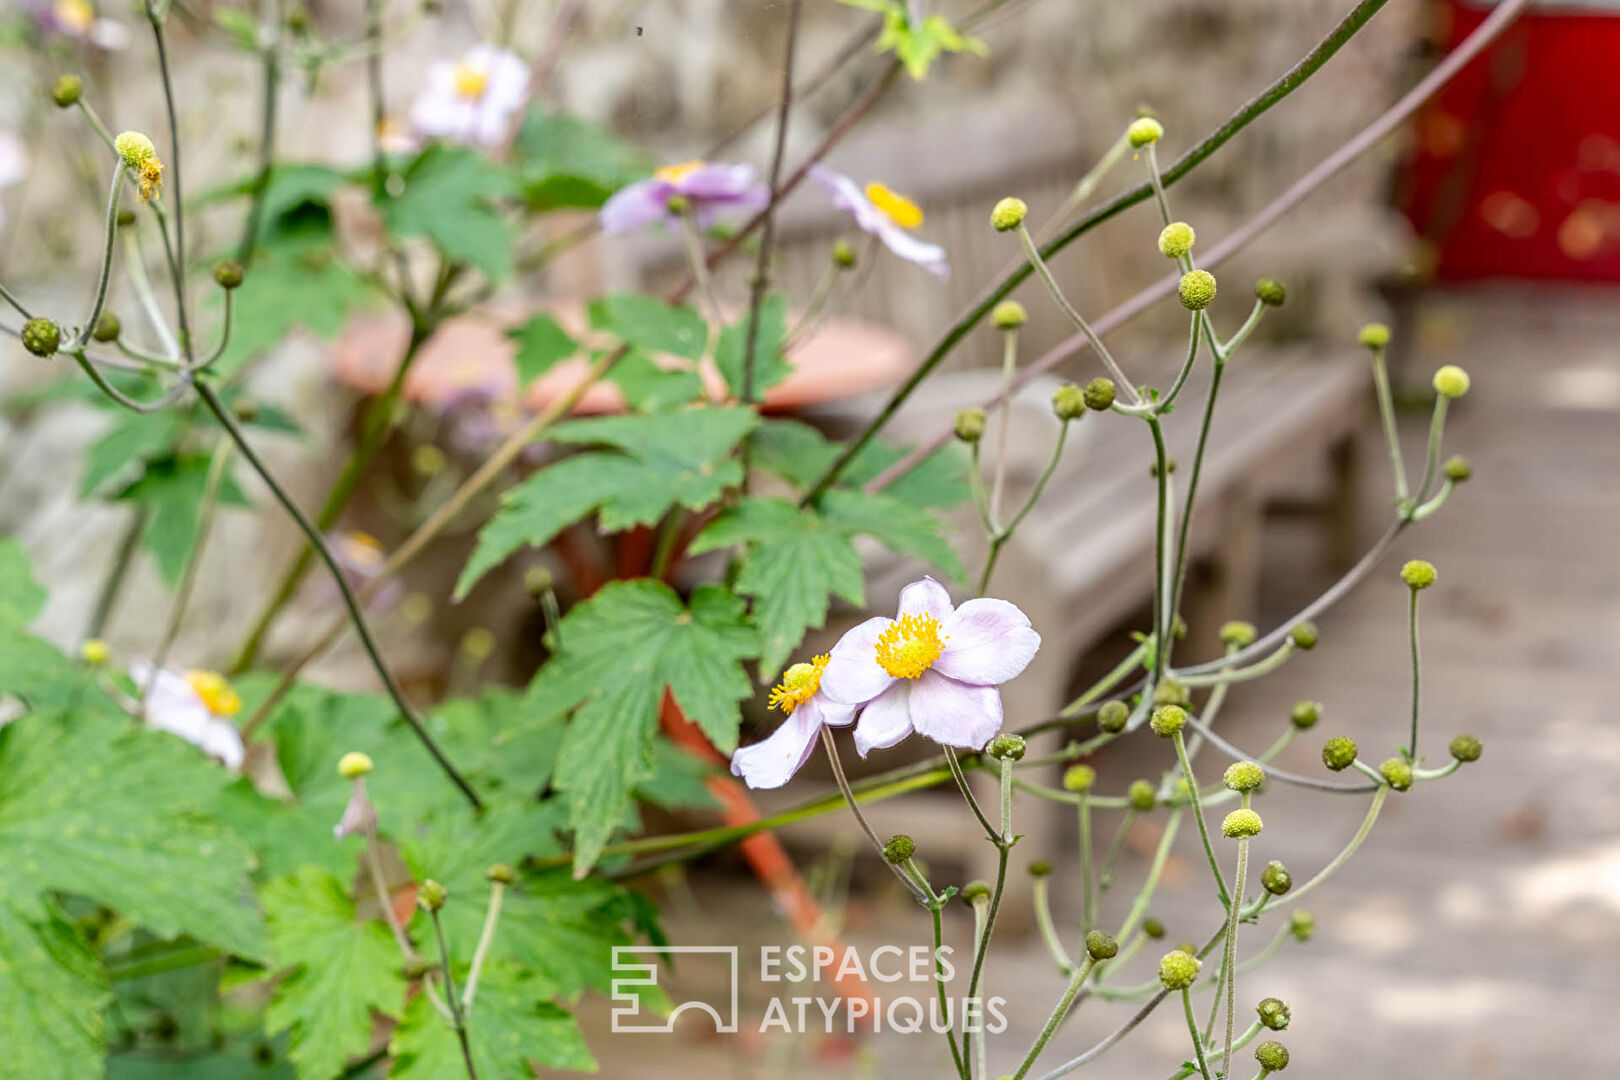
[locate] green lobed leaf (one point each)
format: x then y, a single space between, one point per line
171 488
120 455
448 199
511 1028
21 597
648 387
562 161
292 285
899 526
53 990
731 350
541 344
651 324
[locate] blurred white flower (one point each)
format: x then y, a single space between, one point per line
472 100
196 706
78 19
13 163
885 214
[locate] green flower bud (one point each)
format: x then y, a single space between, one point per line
1302 924
843 255
1112 717
1339 752
107 327
126 218
1008 214
1153 928
228 274
1176 239
1418 574
1272 1056
41 337
1144 132
1009 315
898 849
1069 402
1079 778
500 874
1142 794
67 90
1276 879
537 581
1375 335
1305 636
1241 824
430 895
1007 747
1238 633
1099 394
1178 970
246 408
1274 1013
1305 714
94 652
1197 289
678 205
1040 868
970 425
136 149
1270 292
1457 469
418 967
354 764
1396 773
1101 945
1172 692
1466 748
975 891
1451 381
1244 776
1167 720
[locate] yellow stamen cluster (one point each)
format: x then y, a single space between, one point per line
77 16
675 173
151 174
896 207
910 646
470 81
215 693
799 684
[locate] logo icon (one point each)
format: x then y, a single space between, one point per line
631 975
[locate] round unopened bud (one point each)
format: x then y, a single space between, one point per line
95 652
537 581
1113 716
1178 970
1244 776
1142 794
1466 748
1339 752
970 425
843 255
1153 928
1069 402
1101 945
246 408
1172 692
126 218
1007 747
1100 394
1375 335
678 205
1197 290
136 149
1302 924
354 764
1040 868
1144 132
975 891
1270 292
1305 714
1238 633
1241 824
1008 214
1305 636
107 327
430 895
227 273
1272 1056
1079 778
1009 315
41 337
1451 381
1458 469
67 90
1397 773
500 874
1274 1013
1167 720
1276 879
1418 574
898 848
1176 239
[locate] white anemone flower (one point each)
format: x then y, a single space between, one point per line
885 214
196 706
472 100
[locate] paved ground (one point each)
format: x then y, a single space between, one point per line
1478 931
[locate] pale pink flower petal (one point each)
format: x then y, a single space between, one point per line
926 597
772 761
853 676
848 196
953 713
987 642
886 720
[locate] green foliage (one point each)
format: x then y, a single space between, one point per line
343 971
917 47
651 324
21 597
656 462
52 992
731 350
561 161
448 199
171 489
622 649
648 386
541 344
511 1026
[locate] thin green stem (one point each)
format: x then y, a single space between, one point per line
860 818
1088 890
1417 670
1132 661
1088 184
1189 506
1151 883
1248 327
1040 892
458 1019
1243 674
1054 1021
1343 856
206 507
1162 603
105 274
112 586
177 254
1198 815
1386 413
1229 965
1186 365
1009 369
1033 254
935 908
1105 880
967 793
1192 1029
486 938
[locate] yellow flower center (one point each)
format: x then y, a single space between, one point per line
77 15
675 173
910 646
470 81
896 207
214 692
799 684
151 178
